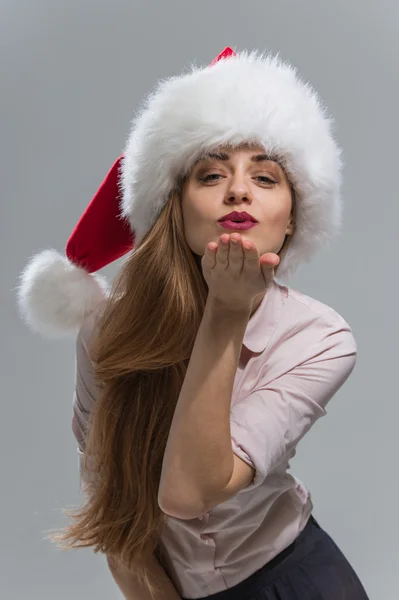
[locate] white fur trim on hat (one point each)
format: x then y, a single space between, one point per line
249 97
55 295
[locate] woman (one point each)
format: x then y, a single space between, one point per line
198 375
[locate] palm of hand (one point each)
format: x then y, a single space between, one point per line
234 271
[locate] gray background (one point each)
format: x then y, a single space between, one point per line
72 72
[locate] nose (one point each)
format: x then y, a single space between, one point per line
238 190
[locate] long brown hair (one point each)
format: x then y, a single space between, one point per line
143 342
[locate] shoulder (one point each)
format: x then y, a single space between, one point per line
304 312
308 331
86 333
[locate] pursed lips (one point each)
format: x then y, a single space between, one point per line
238 217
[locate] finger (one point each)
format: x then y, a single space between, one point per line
269 259
223 250
251 255
236 253
268 262
209 258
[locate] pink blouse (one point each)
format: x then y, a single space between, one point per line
297 353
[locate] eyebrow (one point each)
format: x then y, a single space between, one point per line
224 156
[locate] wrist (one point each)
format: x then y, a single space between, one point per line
220 309
225 320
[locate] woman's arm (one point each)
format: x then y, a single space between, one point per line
198 461
132 590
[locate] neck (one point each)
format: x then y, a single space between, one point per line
257 302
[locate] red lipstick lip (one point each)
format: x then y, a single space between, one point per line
239 217
237 225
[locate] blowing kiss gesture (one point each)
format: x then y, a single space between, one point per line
234 271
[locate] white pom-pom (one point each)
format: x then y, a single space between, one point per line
55 296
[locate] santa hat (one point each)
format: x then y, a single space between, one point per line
244 97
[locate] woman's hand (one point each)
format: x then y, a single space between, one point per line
234 271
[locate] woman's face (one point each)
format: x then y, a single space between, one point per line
239 179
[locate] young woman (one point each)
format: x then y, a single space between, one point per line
198 375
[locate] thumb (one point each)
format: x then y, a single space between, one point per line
268 262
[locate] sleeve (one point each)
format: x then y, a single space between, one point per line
268 424
85 395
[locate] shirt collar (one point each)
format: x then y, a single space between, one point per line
263 322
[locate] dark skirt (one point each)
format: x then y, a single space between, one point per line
311 568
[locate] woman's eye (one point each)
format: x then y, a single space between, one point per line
215 176
265 179
210 177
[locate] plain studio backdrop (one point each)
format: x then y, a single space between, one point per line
72 74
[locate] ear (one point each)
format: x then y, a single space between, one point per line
290 225
291 222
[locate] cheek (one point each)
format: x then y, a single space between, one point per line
278 213
190 211
276 218
192 217
195 224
